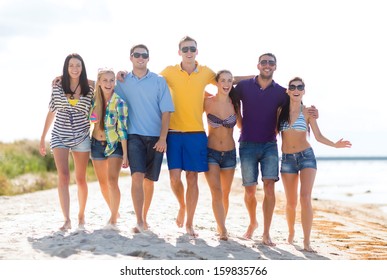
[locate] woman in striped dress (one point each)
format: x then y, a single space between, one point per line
70 106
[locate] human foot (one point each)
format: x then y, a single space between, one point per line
180 217
191 232
266 240
250 230
66 226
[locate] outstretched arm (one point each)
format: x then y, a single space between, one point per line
322 139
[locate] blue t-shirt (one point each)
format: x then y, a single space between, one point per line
147 99
259 110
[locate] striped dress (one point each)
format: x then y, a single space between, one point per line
72 125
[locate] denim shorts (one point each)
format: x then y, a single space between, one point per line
251 154
142 157
225 160
293 163
187 151
84 146
98 149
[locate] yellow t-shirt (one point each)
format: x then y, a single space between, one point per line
187 93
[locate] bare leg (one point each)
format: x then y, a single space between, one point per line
307 180
213 180
138 199
148 195
101 171
178 189
268 210
81 159
251 205
61 157
114 168
192 196
290 182
226 179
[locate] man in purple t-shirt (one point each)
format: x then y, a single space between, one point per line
260 97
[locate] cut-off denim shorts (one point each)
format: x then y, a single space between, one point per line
293 163
98 149
225 160
83 146
254 154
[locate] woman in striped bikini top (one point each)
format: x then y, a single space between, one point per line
228 122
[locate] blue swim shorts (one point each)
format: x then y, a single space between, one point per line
187 151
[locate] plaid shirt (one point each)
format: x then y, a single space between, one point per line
115 123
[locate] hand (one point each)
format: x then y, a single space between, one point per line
160 146
125 162
57 81
121 76
343 144
42 148
313 111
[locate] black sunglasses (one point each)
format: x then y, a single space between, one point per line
186 49
294 87
265 62
137 55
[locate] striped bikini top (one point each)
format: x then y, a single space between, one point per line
215 122
299 124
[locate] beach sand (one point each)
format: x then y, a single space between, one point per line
29 229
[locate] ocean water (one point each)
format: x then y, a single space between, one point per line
359 180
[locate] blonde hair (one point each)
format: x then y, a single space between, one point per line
99 98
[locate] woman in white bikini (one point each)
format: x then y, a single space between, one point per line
298 161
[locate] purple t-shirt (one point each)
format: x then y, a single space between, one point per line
259 110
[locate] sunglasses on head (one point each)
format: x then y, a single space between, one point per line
294 87
137 55
265 62
186 49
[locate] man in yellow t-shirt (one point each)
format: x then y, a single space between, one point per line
187 140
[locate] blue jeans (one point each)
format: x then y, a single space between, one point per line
293 163
254 154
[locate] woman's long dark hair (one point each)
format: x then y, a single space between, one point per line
284 114
83 82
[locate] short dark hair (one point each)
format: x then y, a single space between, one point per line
268 54
139 46
187 39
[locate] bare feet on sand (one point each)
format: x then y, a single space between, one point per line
66 226
266 240
110 226
138 229
191 232
180 217
309 249
223 236
250 231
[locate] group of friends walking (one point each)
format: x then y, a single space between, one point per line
137 116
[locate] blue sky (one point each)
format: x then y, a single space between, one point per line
336 46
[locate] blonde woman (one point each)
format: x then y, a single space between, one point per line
109 141
70 106
298 162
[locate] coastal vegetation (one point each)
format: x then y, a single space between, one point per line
23 169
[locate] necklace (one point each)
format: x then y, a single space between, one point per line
73 92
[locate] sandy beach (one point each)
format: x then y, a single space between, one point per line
29 229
